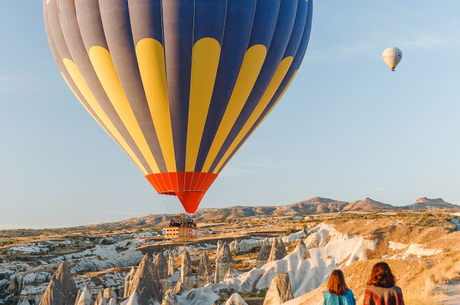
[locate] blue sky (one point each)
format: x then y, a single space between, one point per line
347 128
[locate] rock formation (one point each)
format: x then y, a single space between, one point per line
100 299
224 261
62 289
279 291
170 264
235 299
162 266
104 298
263 254
84 297
128 281
186 275
278 250
204 274
170 298
179 288
135 299
230 274
109 294
145 285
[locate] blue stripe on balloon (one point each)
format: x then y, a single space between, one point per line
298 29
283 30
206 26
264 24
238 25
178 42
294 66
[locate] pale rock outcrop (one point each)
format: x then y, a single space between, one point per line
278 250
162 266
235 299
84 297
62 289
317 239
145 284
103 298
224 261
113 301
280 290
204 274
264 254
230 274
134 299
186 275
170 298
128 281
170 264
179 288
100 299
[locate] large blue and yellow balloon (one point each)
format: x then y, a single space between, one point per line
179 85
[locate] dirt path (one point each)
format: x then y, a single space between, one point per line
449 294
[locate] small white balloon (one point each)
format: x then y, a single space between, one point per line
392 56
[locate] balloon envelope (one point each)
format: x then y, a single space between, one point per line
392 56
179 85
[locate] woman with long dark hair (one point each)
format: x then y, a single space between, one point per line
337 292
381 287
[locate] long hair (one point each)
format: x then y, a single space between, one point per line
336 284
381 276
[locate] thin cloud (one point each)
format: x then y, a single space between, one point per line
24 84
123 213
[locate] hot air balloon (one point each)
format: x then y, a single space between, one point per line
392 56
179 85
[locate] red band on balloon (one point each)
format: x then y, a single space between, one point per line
189 187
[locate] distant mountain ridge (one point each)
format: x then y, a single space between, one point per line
310 206
430 204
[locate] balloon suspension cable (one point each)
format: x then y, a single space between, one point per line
163 199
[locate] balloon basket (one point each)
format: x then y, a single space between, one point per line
181 226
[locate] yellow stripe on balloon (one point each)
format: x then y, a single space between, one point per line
150 57
271 90
105 70
250 69
89 97
266 114
281 95
205 60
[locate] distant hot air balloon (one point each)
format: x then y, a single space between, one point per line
392 56
179 85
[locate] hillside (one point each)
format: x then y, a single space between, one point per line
430 204
367 205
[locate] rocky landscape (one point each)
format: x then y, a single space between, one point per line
244 255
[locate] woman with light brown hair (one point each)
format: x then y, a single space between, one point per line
381 289
338 292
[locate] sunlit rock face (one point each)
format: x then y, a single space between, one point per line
264 254
170 298
280 290
278 251
84 297
145 284
62 289
170 264
186 275
204 274
235 299
128 281
224 261
162 266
